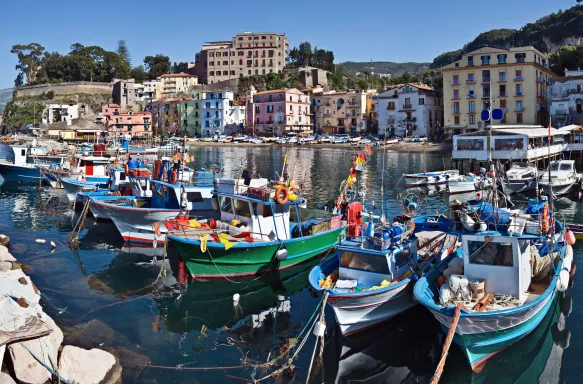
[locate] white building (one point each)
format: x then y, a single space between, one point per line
235 118
411 109
214 109
60 112
152 90
565 96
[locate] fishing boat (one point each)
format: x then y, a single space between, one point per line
25 168
520 178
255 140
502 281
467 183
169 198
73 186
425 178
561 176
240 139
137 192
255 234
53 175
370 279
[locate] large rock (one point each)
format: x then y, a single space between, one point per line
6 379
91 334
5 255
26 368
4 240
81 366
133 363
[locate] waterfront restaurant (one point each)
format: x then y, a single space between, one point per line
517 143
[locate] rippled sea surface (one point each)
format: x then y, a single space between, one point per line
103 294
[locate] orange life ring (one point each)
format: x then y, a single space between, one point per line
117 193
546 218
172 177
281 195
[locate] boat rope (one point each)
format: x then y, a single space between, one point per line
319 338
447 344
73 238
53 372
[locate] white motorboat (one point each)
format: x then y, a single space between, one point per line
430 178
520 178
467 183
563 177
241 139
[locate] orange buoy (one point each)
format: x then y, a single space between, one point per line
570 237
281 195
173 177
546 219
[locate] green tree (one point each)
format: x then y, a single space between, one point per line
29 59
19 79
139 74
157 65
124 53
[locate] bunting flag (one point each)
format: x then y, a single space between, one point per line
224 239
203 240
352 172
350 180
368 149
360 160
156 226
362 156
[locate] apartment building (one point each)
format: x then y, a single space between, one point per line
55 113
372 101
248 53
136 124
175 84
279 111
565 97
166 117
340 112
152 90
190 111
514 80
411 109
220 113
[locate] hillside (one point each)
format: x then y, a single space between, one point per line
5 96
383 67
548 34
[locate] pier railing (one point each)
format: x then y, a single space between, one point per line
482 155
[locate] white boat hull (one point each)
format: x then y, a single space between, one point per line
73 189
558 189
356 313
520 186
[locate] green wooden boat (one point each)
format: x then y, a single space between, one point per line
261 236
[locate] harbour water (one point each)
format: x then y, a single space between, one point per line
102 297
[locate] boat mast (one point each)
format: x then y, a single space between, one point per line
424 160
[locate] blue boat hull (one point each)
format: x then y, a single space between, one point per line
20 174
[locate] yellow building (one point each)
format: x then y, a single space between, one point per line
340 112
174 84
372 101
514 79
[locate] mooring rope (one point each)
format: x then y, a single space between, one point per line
447 344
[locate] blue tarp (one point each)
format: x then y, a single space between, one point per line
492 216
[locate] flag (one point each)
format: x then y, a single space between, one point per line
362 156
350 180
368 149
352 172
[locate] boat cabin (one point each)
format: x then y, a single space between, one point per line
502 262
92 165
29 155
195 197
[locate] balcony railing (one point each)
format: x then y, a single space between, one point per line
519 78
455 82
502 80
407 106
502 94
519 109
471 95
456 111
485 94
519 94
521 60
562 112
540 79
485 79
470 81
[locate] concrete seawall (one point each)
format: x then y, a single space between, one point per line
66 88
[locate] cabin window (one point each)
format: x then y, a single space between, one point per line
242 208
23 152
489 253
194 197
402 258
364 262
226 204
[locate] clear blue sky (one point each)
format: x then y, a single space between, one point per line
386 30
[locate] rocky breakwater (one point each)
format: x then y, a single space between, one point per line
30 341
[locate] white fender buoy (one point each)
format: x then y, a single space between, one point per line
568 259
563 282
41 241
281 254
236 298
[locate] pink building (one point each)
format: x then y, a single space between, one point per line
137 124
108 110
279 111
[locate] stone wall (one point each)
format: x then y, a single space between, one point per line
66 88
309 77
227 85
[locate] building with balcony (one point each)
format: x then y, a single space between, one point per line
279 111
55 113
411 109
372 101
513 79
216 108
136 124
248 53
190 114
176 84
124 93
152 90
167 119
565 98
340 112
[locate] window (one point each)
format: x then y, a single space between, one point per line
364 262
456 120
502 90
472 106
502 58
472 119
225 53
211 63
391 106
456 94
518 89
470 61
471 92
518 75
211 73
502 76
519 117
470 78
486 76
456 80
578 88
270 108
519 107
486 91
421 101
456 107
242 208
491 253
520 57
485 60
225 62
